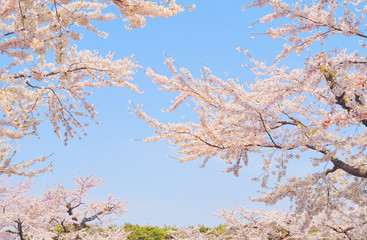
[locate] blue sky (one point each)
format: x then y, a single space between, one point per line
160 190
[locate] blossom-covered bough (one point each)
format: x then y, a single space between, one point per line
277 224
318 110
45 77
59 214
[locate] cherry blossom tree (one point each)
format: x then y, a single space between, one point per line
59 214
287 113
277 224
316 110
45 77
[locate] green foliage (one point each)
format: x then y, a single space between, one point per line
216 231
63 230
204 229
147 232
156 233
220 230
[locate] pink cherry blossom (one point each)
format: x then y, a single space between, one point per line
60 214
35 88
317 111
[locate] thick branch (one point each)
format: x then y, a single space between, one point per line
343 100
331 170
358 172
85 220
20 230
339 164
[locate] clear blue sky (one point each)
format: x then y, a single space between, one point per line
160 190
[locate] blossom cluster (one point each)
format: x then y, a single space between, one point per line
136 11
346 223
60 214
44 76
318 111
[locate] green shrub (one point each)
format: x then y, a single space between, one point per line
146 232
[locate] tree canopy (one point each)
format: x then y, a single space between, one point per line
44 77
317 109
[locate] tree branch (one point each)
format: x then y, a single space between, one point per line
343 231
331 170
343 100
267 132
339 164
